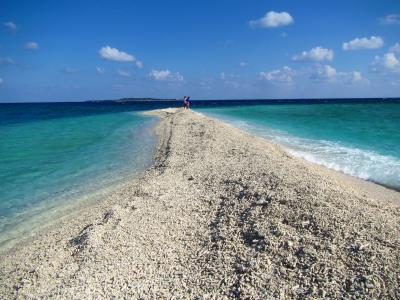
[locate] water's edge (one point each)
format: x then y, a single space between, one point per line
44 215
291 152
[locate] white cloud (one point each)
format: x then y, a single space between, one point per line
243 64
272 19
324 73
11 26
388 63
284 75
315 54
1 80
373 42
390 19
100 70
31 45
110 53
123 73
139 64
165 75
353 77
357 76
6 61
395 48
327 73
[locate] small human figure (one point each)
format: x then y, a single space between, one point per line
188 102
185 103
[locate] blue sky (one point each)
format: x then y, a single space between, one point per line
80 50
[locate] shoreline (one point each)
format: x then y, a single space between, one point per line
291 151
223 213
49 215
30 221
390 193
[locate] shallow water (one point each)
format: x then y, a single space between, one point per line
362 140
49 163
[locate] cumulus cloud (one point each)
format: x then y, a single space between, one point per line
123 73
6 61
283 75
324 73
139 64
395 48
373 42
11 26
31 46
353 77
315 54
272 19
243 64
327 73
110 53
165 75
100 70
390 19
388 63
357 76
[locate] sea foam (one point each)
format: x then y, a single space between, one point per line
361 163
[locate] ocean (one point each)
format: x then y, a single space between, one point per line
360 139
56 156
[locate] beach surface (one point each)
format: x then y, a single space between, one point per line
221 214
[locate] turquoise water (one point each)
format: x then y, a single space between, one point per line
362 140
56 156
50 162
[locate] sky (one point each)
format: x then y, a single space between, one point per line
209 49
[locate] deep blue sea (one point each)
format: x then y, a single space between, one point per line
54 156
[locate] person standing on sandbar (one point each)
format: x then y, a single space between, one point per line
186 102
